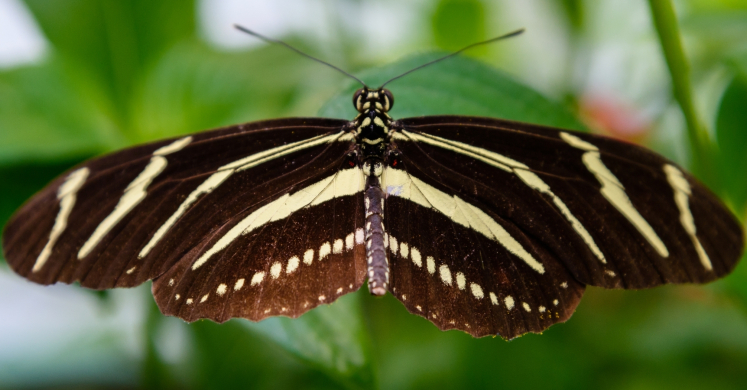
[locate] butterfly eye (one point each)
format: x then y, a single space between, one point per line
388 99
357 101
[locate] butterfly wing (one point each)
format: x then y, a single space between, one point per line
283 257
493 227
462 278
535 213
131 216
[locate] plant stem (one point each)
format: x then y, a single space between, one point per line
665 21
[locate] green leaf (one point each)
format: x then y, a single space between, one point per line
53 112
332 338
227 356
112 42
457 86
457 23
44 115
731 161
574 11
194 88
736 283
731 136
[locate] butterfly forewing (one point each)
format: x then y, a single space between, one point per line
612 213
117 205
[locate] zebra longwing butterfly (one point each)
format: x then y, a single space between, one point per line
489 226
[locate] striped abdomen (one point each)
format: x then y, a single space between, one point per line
378 264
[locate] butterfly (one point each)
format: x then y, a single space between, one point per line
485 225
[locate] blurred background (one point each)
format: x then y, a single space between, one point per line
82 77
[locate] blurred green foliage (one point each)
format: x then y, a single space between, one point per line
731 136
455 22
120 73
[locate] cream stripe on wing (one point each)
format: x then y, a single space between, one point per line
343 183
224 172
682 192
67 194
133 194
614 191
173 147
399 183
521 170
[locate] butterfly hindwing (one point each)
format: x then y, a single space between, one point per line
448 266
285 266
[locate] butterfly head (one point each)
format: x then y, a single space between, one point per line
380 100
373 122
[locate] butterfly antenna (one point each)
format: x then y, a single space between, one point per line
505 36
277 41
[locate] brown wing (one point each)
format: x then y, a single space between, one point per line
566 210
615 214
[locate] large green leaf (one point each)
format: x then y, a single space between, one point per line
227 356
455 22
46 116
332 337
193 88
52 112
79 101
112 42
457 86
731 135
